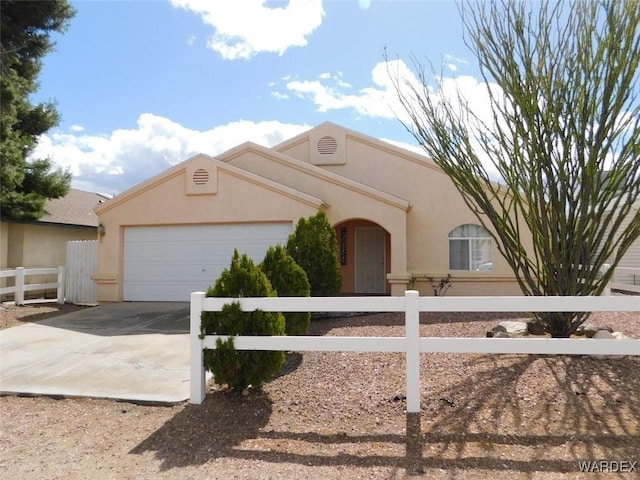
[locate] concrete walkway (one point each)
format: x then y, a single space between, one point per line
126 351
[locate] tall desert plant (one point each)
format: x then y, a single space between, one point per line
557 159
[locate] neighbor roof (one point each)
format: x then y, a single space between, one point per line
75 208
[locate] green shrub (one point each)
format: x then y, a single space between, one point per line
239 369
314 247
288 279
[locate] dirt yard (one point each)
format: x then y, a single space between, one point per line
342 416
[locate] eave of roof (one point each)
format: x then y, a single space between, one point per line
230 169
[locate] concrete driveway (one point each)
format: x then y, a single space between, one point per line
127 351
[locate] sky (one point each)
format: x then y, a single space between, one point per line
143 85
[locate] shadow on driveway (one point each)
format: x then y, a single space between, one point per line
136 352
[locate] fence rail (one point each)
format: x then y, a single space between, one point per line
20 286
411 344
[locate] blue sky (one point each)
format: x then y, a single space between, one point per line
142 85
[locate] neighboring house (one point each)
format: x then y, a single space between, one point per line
631 259
398 218
43 242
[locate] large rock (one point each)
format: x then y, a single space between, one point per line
535 328
501 335
605 335
514 328
590 329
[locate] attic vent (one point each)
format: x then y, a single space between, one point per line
201 177
327 145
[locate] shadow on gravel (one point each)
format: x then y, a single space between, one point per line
590 406
200 433
224 425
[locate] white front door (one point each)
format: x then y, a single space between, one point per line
370 268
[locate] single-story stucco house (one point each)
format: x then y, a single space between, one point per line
399 220
43 242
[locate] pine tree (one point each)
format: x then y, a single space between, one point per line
314 246
289 280
25 29
239 369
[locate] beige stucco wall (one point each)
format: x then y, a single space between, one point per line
437 208
237 198
347 201
4 244
33 245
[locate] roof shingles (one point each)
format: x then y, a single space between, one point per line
75 208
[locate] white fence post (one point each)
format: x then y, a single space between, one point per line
19 296
198 381
412 332
61 283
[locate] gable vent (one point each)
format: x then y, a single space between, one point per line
200 177
327 145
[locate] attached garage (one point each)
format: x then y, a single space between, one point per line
167 263
176 232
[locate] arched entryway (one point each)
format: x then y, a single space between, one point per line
365 257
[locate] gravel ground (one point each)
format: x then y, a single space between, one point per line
342 416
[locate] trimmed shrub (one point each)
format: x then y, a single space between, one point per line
239 369
288 279
314 247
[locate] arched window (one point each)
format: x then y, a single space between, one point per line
470 248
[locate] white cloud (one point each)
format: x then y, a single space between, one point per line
76 128
117 161
452 59
379 100
244 28
280 96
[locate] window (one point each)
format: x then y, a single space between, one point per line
470 248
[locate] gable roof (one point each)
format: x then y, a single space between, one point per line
317 172
230 169
362 138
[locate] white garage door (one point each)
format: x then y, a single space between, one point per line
168 263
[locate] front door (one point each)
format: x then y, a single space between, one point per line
370 268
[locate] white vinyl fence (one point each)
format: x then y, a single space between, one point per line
82 264
411 344
21 284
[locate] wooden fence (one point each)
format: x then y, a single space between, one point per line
21 286
82 264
